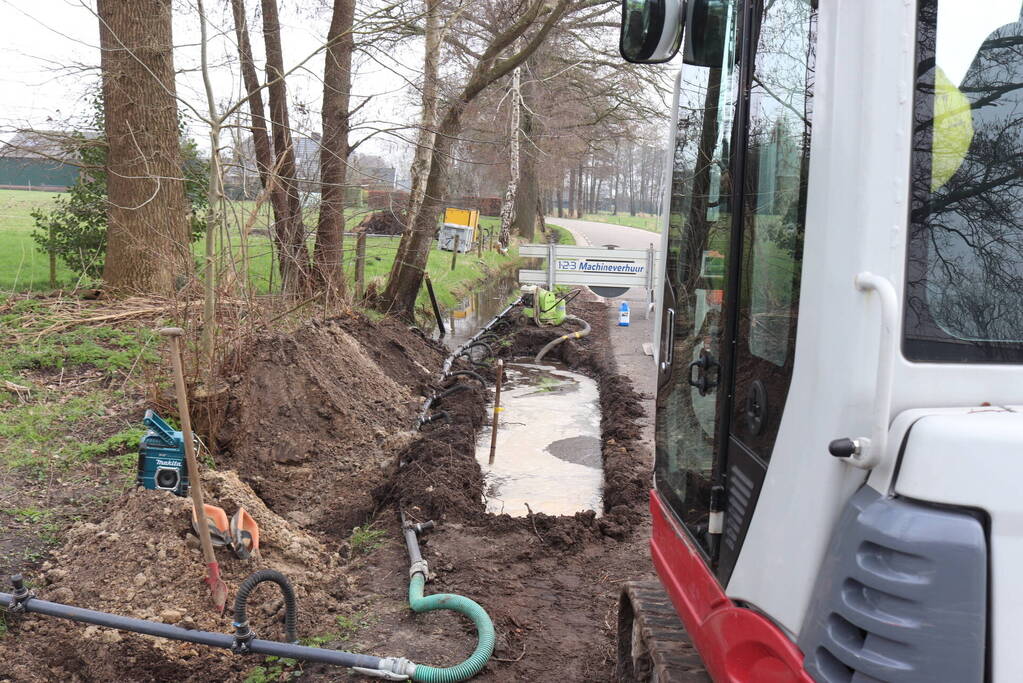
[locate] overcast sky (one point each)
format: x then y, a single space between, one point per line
50 53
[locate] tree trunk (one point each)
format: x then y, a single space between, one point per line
337 82
509 207
427 129
571 193
406 278
528 190
147 213
632 183
580 186
295 262
258 129
560 198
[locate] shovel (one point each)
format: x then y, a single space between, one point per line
244 534
217 586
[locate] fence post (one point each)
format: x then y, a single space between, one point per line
360 265
479 242
53 260
454 254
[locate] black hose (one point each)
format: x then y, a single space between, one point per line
487 351
241 624
439 415
450 390
466 373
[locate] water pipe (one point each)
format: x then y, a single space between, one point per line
418 572
22 601
571 335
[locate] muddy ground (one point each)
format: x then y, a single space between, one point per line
313 432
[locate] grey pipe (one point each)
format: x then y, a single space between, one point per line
571 335
171 632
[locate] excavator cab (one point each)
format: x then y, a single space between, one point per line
840 344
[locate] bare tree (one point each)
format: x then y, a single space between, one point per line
258 128
337 84
407 275
508 207
147 227
295 261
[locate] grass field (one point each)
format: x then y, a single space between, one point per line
643 221
564 236
24 268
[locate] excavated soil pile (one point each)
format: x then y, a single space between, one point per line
438 473
384 223
143 560
313 417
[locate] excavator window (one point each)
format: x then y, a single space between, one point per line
964 270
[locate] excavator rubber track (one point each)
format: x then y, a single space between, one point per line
652 642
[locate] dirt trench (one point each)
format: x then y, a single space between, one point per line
315 437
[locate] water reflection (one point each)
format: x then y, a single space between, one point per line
965 266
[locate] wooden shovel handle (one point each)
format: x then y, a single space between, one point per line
195 482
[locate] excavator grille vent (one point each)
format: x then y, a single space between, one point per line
740 491
901 596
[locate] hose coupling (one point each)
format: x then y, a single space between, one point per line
423 527
21 594
419 567
433 417
390 669
243 635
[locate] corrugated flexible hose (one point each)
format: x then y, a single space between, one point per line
571 335
463 605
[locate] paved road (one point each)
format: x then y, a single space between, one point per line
628 341
589 233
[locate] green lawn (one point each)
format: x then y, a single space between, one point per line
24 268
643 221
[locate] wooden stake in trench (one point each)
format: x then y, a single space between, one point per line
497 410
218 588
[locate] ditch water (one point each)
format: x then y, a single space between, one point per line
477 309
548 453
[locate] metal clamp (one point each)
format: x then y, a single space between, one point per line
243 635
390 669
20 596
419 566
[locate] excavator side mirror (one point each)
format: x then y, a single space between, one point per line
707 26
651 30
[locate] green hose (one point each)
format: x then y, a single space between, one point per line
463 605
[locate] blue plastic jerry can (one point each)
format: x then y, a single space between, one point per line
623 314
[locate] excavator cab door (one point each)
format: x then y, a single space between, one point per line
732 270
